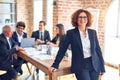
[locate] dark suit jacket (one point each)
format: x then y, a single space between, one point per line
73 38
35 35
15 37
5 51
54 40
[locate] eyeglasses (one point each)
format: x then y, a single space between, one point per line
84 17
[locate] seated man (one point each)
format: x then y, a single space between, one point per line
18 35
7 49
41 36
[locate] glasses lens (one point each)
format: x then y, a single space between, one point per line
84 17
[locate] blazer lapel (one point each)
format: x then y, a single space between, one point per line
78 39
37 34
16 36
91 38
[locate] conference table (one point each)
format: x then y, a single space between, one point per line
43 62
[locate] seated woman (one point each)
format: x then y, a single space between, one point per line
60 35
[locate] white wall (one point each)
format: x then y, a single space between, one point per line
37 13
49 22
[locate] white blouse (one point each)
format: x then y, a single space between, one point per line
85 44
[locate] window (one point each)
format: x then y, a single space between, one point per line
7 13
112 33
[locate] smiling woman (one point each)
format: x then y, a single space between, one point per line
87 60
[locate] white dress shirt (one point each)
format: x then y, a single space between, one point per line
20 37
9 42
85 44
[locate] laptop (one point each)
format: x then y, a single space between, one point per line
27 42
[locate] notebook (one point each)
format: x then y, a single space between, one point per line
27 42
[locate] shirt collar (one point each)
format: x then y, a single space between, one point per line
18 34
7 38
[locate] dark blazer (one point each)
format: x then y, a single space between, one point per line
15 37
35 35
54 40
73 38
5 51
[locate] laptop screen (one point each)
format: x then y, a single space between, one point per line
27 42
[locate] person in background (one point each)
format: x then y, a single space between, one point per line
87 61
60 35
8 47
18 35
41 36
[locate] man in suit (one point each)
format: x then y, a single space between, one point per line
8 47
18 35
41 36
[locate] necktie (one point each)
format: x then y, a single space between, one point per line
10 46
9 42
42 38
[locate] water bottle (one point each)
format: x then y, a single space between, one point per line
49 50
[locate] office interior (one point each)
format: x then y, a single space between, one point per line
106 22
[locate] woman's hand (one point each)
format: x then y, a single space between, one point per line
52 69
52 44
48 43
102 73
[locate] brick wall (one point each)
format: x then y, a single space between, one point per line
25 13
64 9
62 12
45 10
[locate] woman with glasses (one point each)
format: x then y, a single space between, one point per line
87 61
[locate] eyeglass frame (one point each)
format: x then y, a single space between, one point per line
82 17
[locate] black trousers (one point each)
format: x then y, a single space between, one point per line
87 73
18 64
12 69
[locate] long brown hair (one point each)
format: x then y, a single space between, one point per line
61 30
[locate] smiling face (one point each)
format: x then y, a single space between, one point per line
82 20
20 30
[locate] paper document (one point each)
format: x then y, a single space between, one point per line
37 54
43 57
32 51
